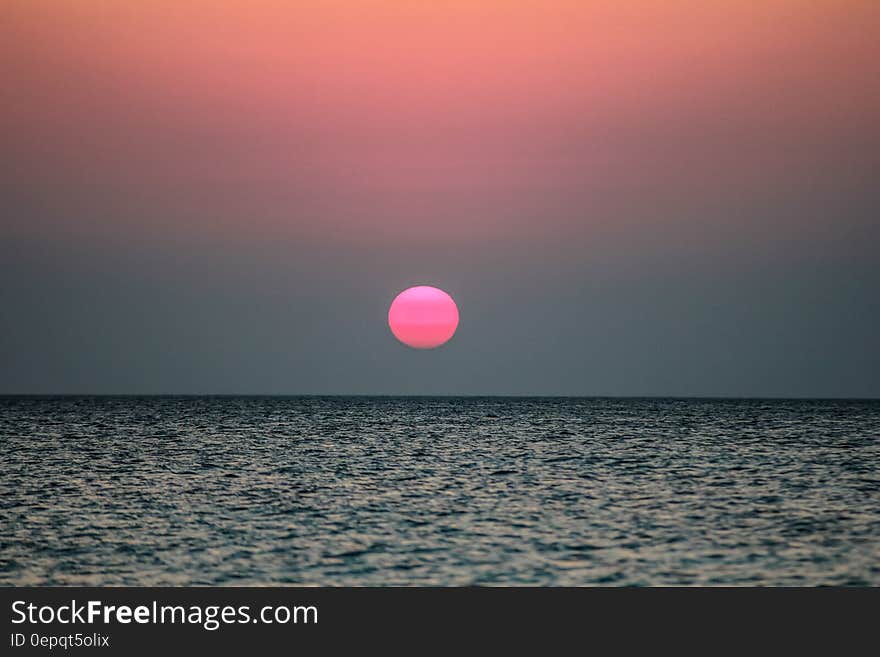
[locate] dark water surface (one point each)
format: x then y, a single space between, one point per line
452 491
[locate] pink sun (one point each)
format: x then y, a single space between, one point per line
423 317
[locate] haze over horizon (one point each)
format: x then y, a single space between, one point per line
624 198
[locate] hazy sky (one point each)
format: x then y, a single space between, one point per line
624 198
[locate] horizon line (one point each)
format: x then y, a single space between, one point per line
437 396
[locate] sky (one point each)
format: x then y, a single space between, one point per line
645 197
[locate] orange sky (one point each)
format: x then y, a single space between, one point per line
480 107
623 196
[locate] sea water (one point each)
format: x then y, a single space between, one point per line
438 491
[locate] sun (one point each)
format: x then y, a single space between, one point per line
423 317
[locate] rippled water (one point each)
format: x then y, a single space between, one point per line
438 491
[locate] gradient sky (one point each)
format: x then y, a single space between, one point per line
624 198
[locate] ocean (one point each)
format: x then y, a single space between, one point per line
438 491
